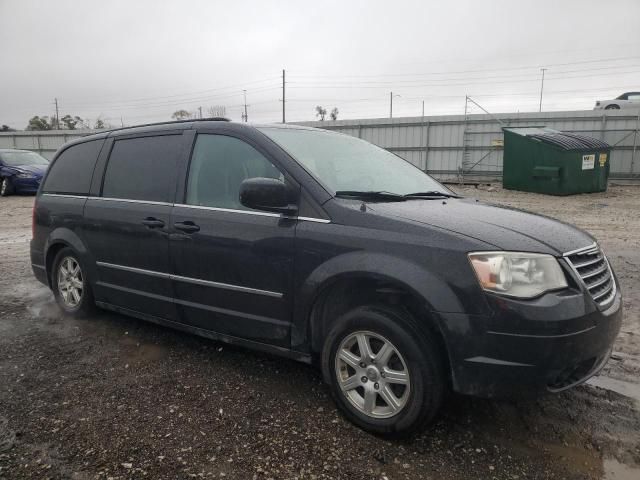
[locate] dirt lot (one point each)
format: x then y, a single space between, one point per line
114 397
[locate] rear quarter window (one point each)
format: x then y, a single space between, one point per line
72 170
143 168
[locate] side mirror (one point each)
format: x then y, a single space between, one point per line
267 194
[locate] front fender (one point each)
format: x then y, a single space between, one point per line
434 290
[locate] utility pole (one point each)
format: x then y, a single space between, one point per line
200 110
421 138
121 122
542 87
283 97
391 95
57 115
245 116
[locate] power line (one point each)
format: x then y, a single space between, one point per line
449 72
514 78
198 92
174 102
383 85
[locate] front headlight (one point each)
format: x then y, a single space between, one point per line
522 275
25 175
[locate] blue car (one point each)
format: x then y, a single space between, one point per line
21 171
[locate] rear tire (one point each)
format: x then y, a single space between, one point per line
397 385
70 284
6 187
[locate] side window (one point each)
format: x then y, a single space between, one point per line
219 164
143 168
634 97
71 172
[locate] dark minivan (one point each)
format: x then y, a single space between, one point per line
327 249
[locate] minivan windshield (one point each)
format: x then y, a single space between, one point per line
20 159
350 165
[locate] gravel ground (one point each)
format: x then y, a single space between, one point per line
114 397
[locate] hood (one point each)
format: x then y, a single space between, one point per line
35 169
504 227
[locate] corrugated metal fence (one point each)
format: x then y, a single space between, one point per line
451 147
459 147
45 143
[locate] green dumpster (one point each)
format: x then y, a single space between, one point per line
543 160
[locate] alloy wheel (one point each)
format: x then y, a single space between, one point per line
372 374
70 282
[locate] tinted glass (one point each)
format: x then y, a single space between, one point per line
219 165
143 168
71 172
342 162
17 159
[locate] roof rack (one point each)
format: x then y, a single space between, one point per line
170 122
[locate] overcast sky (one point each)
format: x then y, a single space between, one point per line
142 60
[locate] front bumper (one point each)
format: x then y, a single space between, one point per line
549 344
26 185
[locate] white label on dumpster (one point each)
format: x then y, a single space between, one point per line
588 162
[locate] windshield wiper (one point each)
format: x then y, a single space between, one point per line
431 194
371 195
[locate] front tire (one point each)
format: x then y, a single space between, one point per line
6 187
613 106
70 284
385 374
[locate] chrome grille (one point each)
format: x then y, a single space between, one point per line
592 267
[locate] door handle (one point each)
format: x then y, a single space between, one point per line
187 227
153 222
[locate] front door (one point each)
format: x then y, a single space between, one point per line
232 265
127 226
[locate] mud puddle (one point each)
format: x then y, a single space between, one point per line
614 470
628 389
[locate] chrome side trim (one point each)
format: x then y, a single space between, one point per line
253 212
153 273
60 195
184 205
228 210
177 301
227 286
313 219
128 200
195 281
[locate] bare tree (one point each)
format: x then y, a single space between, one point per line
217 111
181 115
101 124
321 112
334 113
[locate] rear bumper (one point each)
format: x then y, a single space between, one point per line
550 344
